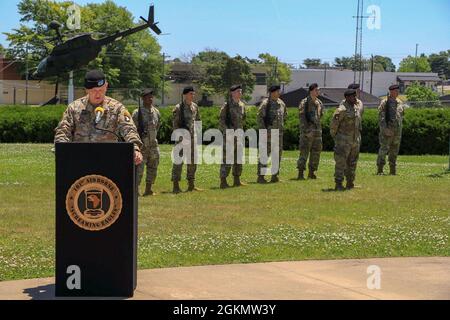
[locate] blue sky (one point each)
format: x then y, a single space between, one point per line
291 29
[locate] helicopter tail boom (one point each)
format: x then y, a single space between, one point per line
150 21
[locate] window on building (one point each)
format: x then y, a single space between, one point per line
260 79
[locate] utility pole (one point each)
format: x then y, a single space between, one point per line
363 72
371 74
325 76
356 41
163 77
359 40
26 74
276 70
415 60
70 91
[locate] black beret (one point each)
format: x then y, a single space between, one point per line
274 88
394 87
236 87
350 92
353 86
94 79
188 89
146 92
313 86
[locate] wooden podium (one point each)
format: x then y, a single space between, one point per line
96 220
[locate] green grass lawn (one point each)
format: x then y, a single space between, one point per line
406 215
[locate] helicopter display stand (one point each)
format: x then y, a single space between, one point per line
96 220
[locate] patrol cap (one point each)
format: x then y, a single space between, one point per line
235 87
394 87
354 86
350 92
188 89
94 79
147 92
313 86
274 88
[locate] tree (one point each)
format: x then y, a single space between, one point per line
238 71
440 63
413 64
217 72
277 72
208 68
2 50
132 62
380 63
383 64
417 93
310 63
344 62
210 56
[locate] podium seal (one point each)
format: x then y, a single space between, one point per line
94 203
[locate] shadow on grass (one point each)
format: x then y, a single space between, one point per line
331 190
439 175
47 292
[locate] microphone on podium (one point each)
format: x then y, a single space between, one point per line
99 111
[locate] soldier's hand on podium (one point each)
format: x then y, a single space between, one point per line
138 157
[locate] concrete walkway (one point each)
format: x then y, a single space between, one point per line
401 278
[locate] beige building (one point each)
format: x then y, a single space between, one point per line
14 91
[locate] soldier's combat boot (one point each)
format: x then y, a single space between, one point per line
192 187
392 170
339 186
301 175
176 187
261 180
350 185
148 190
311 175
380 170
275 179
224 183
238 182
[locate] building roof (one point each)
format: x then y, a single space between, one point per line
427 77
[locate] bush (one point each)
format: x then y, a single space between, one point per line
425 131
418 94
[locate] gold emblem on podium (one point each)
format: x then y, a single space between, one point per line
94 203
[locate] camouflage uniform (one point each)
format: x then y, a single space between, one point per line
77 124
345 128
232 116
310 113
390 118
275 114
151 121
191 114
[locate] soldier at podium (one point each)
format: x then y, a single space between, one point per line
98 118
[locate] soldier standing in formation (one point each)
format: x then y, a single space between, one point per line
356 87
345 128
232 116
310 145
185 115
272 115
148 121
390 118
81 124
